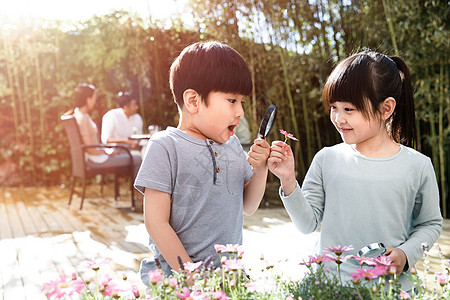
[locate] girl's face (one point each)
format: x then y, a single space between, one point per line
91 101
354 127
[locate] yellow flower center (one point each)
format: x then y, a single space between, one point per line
63 285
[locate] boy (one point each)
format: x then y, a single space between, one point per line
195 178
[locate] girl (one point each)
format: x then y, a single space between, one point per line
372 188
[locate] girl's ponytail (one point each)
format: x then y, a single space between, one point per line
403 126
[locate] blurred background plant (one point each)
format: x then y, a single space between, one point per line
290 45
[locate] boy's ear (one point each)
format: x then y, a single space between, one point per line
191 100
387 108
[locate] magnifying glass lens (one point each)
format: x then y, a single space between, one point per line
267 122
372 250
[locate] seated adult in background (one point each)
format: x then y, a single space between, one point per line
119 124
85 98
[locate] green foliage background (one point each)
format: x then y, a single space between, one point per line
290 46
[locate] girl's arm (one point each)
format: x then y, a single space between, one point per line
306 215
426 219
254 188
156 218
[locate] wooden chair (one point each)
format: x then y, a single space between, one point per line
84 171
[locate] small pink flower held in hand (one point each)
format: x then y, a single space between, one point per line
288 136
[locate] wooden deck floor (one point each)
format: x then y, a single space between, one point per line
40 237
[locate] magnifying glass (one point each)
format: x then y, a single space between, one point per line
372 250
267 122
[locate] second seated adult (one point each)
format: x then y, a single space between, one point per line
119 124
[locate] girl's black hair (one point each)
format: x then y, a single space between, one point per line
365 80
82 92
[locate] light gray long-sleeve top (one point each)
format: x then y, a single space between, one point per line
359 200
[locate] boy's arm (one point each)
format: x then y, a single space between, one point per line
156 218
254 188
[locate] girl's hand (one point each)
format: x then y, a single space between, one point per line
398 258
281 161
258 155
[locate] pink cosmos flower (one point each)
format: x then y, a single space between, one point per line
229 248
369 273
340 259
404 295
185 294
63 286
288 136
123 290
441 279
219 295
194 295
234 264
104 279
173 282
95 264
338 250
191 267
365 260
155 276
383 260
318 259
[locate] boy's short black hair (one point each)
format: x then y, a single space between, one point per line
82 92
124 98
208 67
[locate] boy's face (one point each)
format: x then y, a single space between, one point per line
218 120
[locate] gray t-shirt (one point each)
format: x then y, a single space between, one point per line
206 182
360 200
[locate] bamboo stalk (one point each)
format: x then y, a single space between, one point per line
40 99
292 110
307 127
57 60
20 106
141 98
8 51
390 25
253 101
29 127
434 156
317 129
441 138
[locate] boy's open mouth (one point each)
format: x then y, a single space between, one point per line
231 129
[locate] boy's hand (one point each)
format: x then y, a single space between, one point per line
398 258
258 155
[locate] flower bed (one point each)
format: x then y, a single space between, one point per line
374 279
